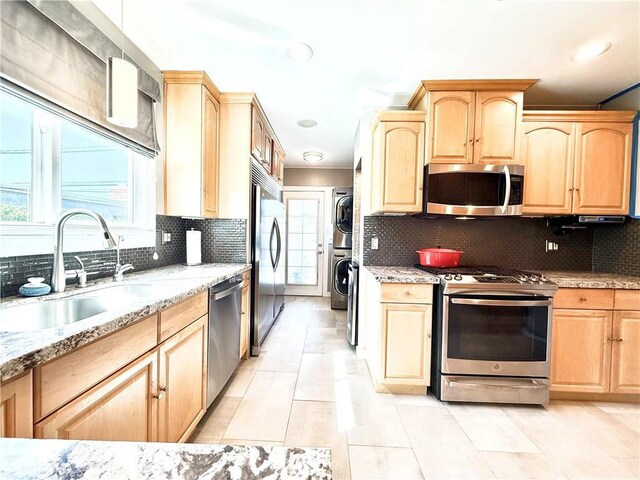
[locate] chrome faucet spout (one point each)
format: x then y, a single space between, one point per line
57 274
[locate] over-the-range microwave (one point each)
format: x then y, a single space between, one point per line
472 190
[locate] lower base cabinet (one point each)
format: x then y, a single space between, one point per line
596 350
182 382
159 397
16 407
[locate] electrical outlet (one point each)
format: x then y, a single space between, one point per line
550 246
374 243
166 237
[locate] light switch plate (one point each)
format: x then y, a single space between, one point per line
374 243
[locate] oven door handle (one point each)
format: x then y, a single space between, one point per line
501 303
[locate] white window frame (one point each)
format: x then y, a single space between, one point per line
37 236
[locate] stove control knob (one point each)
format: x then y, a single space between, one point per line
458 277
543 279
534 278
524 278
448 276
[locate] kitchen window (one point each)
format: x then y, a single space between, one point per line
49 164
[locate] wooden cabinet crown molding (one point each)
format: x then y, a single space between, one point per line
599 116
398 116
191 76
250 98
514 85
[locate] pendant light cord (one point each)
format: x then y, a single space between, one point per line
122 29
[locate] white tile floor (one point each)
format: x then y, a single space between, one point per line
307 389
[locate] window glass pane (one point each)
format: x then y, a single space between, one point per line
302 256
16 127
95 174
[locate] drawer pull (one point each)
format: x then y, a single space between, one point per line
583 299
160 394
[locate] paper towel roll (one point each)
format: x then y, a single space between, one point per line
194 247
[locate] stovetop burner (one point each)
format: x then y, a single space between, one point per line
485 275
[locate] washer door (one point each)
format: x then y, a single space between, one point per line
344 214
341 276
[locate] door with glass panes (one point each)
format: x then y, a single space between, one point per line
305 242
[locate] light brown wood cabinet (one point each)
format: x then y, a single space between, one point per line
258 136
191 142
397 168
577 162
182 382
595 349
472 121
277 167
153 392
16 407
122 407
398 336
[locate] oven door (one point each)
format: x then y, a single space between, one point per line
491 335
476 190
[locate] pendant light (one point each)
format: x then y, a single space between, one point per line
122 86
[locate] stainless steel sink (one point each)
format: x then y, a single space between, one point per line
49 314
124 293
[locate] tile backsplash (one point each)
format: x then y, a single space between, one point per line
223 241
504 242
616 248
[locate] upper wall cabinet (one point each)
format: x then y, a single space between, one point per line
472 121
397 167
191 117
577 162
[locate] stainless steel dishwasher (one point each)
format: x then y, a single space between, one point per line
223 354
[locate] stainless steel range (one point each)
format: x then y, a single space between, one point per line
492 335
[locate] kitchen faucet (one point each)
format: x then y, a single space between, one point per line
58 276
120 269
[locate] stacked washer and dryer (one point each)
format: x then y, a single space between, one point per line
342 232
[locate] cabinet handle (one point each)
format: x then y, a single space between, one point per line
583 299
578 192
477 140
617 339
160 394
610 339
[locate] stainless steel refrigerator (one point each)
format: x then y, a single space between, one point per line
268 264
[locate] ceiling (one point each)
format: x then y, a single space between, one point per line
373 53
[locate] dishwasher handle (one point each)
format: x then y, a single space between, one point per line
227 292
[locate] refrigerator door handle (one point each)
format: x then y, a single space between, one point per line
279 238
273 231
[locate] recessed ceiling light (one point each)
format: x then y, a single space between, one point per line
591 51
312 157
299 52
307 123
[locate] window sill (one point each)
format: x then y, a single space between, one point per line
31 239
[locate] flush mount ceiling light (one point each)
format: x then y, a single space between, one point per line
591 51
312 157
307 123
122 86
299 52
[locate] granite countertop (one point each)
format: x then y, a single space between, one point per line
63 459
401 275
570 279
22 350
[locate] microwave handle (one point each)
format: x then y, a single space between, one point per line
507 191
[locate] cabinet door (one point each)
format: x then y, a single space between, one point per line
603 168
244 323
258 136
498 126
268 153
210 154
406 344
581 351
398 164
625 358
182 382
16 408
548 156
281 168
450 127
120 408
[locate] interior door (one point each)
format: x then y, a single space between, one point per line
304 245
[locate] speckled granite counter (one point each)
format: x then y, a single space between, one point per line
64 459
401 275
22 350
593 280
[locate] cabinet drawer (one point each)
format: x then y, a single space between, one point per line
64 378
175 318
584 298
406 292
627 300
